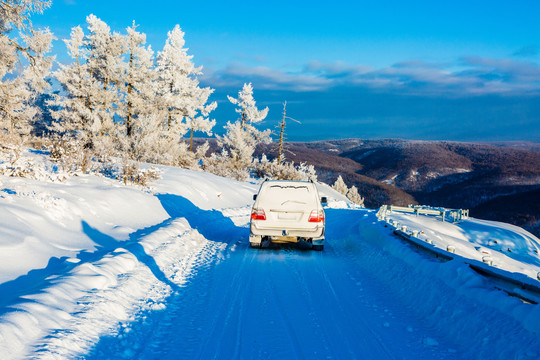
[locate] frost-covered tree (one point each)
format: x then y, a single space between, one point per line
354 196
124 103
138 81
75 106
182 100
105 51
247 108
23 63
340 186
201 122
242 136
91 84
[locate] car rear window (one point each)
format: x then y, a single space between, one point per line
277 195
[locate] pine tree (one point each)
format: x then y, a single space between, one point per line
201 122
242 136
74 112
105 51
23 63
138 85
249 114
340 186
354 196
239 142
180 97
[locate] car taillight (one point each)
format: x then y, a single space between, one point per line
316 216
257 214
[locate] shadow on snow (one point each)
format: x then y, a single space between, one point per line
210 223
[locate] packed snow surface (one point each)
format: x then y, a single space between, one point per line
91 268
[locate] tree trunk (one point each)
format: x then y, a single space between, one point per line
243 121
129 125
280 149
191 140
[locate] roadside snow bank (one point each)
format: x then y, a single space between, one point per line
80 256
506 246
77 307
40 220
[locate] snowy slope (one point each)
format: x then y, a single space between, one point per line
92 268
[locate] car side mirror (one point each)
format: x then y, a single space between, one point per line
324 200
254 197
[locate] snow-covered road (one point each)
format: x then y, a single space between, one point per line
274 303
350 301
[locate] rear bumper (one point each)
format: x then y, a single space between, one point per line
286 235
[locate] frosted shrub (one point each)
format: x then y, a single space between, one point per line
306 172
15 161
70 155
340 186
354 196
12 162
188 159
351 194
132 173
285 171
110 170
221 165
145 176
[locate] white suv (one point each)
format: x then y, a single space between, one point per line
287 211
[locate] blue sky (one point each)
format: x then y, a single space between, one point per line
460 70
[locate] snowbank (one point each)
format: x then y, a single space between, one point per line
507 246
79 256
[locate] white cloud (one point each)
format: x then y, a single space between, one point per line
263 77
468 76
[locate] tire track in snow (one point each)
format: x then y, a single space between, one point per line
230 315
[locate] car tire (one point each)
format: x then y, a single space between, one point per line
318 247
255 245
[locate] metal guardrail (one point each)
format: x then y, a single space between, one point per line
515 284
527 288
454 215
